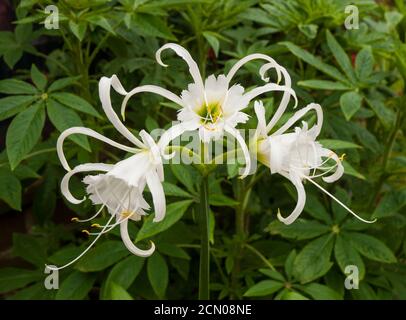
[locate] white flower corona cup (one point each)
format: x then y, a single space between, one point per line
298 156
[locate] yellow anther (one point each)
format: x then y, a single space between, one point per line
126 214
87 232
341 158
74 219
96 225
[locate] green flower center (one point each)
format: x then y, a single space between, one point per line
210 113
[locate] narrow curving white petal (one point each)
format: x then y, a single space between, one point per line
116 84
152 89
236 134
158 195
259 56
339 170
301 200
339 202
80 168
299 114
260 113
174 132
104 95
129 243
267 88
185 55
90 133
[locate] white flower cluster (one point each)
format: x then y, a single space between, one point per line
213 107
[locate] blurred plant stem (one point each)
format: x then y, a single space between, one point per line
204 270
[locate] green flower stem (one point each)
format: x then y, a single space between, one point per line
204 270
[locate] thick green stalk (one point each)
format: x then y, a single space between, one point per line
204 271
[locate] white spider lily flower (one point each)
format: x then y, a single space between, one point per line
213 107
120 186
298 156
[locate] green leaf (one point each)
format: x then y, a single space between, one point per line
154 26
29 248
101 22
39 79
221 200
174 191
14 86
309 30
339 212
364 64
351 171
264 288
350 103
321 292
62 83
291 295
315 62
78 29
341 56
23 133
324 85
371 247
346 255
75 102
384 114
300 230
126 271
314 259
185 176
391 202
173 251
338 144
14 278
9 106
76 286
23 172
213 41
316 209
102 256
117 292
158 276
64 118
174 212
10 189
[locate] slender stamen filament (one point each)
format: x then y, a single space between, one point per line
338 201
91 218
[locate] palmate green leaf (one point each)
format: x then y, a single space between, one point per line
300 230
385 115
76 286
9 106
390 203
174 191
150 25
75 102
292 295
102 256
264 288
350 103
15 278
315 62
364 64
371 247
29 248
78 29
39 79
64 118
62 83
10 189
123 274
102 22
316 209
324 85
158 274
341 56
346 255
24 132
314 259
338 144
15 86
174 212
117 292
321 292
